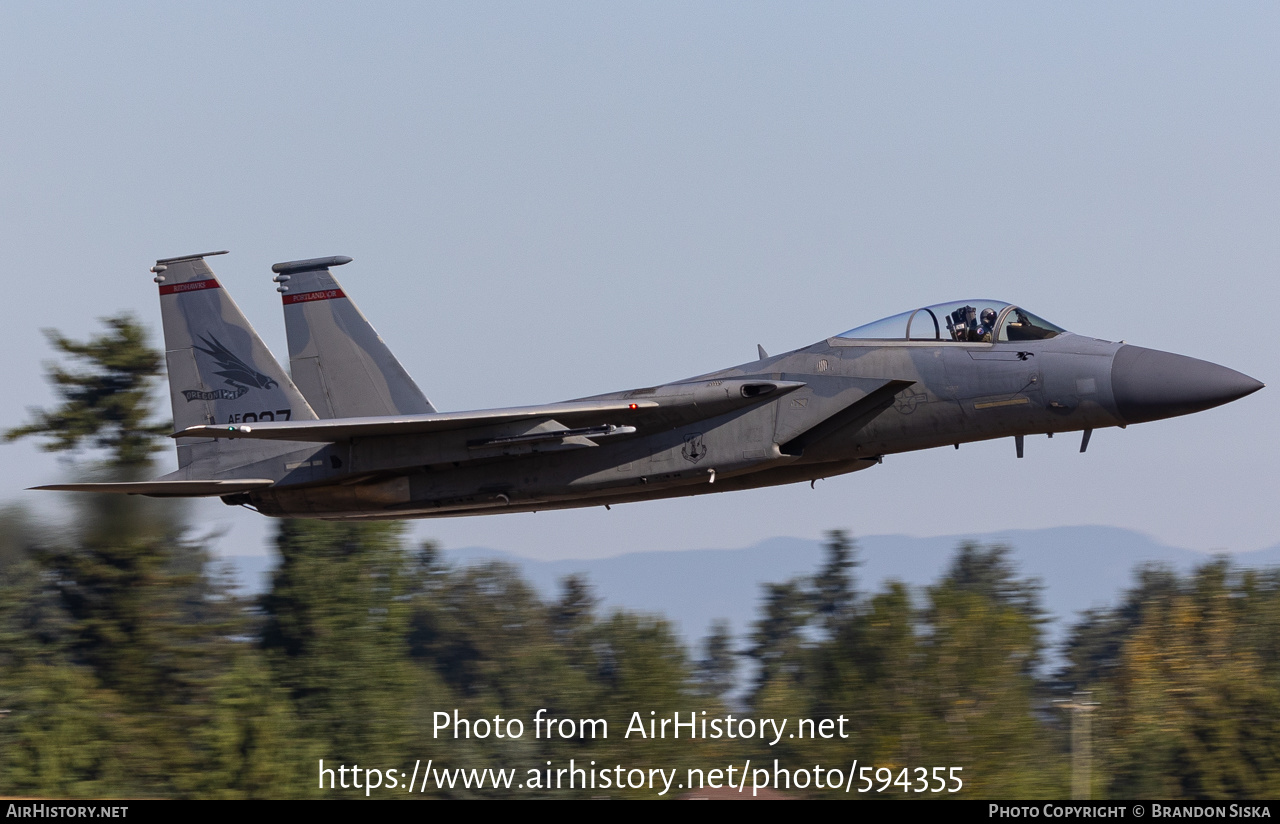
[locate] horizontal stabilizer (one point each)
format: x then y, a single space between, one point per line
167 489
341 429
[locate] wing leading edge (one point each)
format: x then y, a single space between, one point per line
659 408
341 429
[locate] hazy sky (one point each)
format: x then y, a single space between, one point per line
549 200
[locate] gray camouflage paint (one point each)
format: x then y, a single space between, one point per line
837 406
340 364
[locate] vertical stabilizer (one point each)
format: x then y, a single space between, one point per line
339 362
219 369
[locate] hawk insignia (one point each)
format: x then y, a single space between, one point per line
240 376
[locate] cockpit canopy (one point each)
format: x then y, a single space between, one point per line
974 321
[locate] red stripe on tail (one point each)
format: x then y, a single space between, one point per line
189 286
305 297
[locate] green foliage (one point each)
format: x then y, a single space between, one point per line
715 670
952 680
107 400
778 642
490 638
798 612
833 592
121 668
1186 676
249 740
501 651
980 658
336 620
64 735
142 679
121 664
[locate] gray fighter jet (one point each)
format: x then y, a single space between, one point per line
351 436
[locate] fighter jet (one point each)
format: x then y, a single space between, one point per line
351 436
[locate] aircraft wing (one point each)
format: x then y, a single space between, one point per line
167 489
648 409
570 413
854 416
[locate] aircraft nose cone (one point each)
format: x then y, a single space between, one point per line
1149 384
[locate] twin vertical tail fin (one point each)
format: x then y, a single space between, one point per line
219 369
339 362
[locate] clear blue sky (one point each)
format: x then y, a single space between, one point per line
553 200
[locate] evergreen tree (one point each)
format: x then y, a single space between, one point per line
778 642
123 650
571 619
715 670
833 588
336 621
982 643
106 400
950 681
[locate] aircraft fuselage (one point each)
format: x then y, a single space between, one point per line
959 393
348 434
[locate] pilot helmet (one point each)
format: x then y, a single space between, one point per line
988 317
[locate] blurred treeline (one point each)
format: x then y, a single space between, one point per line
129 668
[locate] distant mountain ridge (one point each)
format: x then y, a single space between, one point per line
1079 566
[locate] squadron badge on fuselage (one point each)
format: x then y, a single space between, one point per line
694 449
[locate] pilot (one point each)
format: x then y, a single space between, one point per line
986 328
